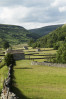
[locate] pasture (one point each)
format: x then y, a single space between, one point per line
39 82
3 75
3 69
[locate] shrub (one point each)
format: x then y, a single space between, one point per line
34 45
56 46
5 45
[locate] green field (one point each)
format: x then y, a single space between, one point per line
39 82
3 75
3 69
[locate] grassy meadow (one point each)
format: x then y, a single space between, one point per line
3 69
39 82
3 75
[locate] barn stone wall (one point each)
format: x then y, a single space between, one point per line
48 64
18 54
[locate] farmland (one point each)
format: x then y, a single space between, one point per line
39 82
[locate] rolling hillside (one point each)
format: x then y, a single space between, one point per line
15 34
57 36
45 30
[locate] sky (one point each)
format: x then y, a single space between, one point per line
32 14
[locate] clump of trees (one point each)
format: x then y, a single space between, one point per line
61 54
9 59
58 44
32 43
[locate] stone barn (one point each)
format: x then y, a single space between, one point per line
18 54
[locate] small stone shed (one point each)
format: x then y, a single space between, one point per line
37 49
25 47
18 54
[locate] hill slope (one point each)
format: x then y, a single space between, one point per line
15 34
55 37
45 30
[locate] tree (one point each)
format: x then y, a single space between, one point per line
9 59
34 45
55 46
31 41
5 45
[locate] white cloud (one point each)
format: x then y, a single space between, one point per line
33 25
32 13
10 15
54 4
58 3
6 13
28 3
62 9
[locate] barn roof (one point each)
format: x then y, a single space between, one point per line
14 51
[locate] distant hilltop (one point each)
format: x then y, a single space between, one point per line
45 30
17 34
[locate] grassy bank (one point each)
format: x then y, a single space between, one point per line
3 75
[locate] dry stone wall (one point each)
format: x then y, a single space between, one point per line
48 64
6 93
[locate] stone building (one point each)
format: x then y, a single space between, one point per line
37 49
18 54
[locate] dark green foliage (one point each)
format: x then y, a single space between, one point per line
38 45
34 45
9 59
1 40
65 40
58 44
61 54
33 35
5 45
31 41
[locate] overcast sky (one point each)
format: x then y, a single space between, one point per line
32 13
